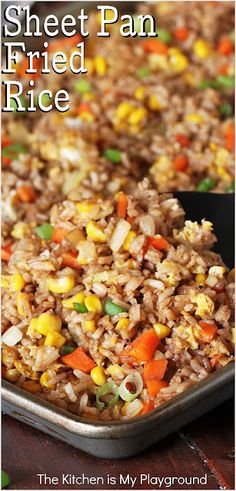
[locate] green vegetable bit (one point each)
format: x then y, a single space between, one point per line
230 188
80 307
225 81
164 36
226 110
68 348
13 151
45 99
113 309
14 105
44 231
113 155
143 72
206 184
108 388
5 481
82 86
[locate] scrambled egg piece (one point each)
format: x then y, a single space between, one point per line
216 347
169 272
191 230
188 334
217 271
204 304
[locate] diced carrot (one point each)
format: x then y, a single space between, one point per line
79 360
70 259
183 140
209 330
180 163
58 234
154 386
23 66
158 243
6 253
155 369
60 44
122 204
230 137
155 46
84 107
225 46
223 69
181 33
26 194
143 347
147 407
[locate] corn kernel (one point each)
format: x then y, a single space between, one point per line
139 93
115 371
55 339
127 243
123 111
93 304
154 103
222 157
201 49
100 65
44 381
98 376
161 330
189 78
137 116
12 374
16 282
224 174
86 210
213 146
46 323
89 326
61 285
20 230
200 279
122 324
95 233
22 304
31 386
87 252
178 61
158 61
77 298
194 118
4 281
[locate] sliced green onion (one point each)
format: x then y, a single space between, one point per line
14 105
213 84
82 86
112 308
226 110
125 390
45 100
113 155
226 81
13 151
164 36
206 184
105 389
44 231
143 72
68 348
5 481
230 188
131 409
80 307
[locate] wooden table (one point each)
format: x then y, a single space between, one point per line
203 447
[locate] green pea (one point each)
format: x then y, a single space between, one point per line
5 481
226 81
113 155
44 231
206 184
226 110
143 72
230 188
80 307
164 36
82 86
13 151
45 100
14 105
113 309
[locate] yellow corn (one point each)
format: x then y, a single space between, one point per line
31 386
122 324
89 326
61 285
16 282
100 65
161 330
189 78
54 339
115 371
139 93
46 323
95 233
87 252
178 61
213 146
222 156
12 374
85 209
201 49
93 304
78 298
158 61
20 230
154 103
137 116
123 111
4 281
98 376
194 118
22 304
200 279
86 116
224 174
44 381
127 243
